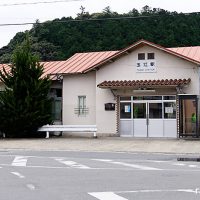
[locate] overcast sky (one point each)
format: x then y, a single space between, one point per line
29 13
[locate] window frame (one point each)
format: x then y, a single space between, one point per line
141 56
82 105
149 56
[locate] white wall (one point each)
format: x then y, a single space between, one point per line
106 120
74 86
168 67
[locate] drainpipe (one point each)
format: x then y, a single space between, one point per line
198 124
199 77
116 98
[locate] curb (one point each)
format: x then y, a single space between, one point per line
189 159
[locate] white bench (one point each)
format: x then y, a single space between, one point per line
69 128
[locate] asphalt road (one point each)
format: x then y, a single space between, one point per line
64 175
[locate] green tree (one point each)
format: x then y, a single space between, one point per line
24 104
61 38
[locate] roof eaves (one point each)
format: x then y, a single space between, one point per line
183 57
64 74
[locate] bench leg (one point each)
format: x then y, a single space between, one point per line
95 135
47 134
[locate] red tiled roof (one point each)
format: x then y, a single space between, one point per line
144 83
85 62
78 63
190 52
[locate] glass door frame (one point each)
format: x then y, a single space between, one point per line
196 98
135 120
147 118
163 100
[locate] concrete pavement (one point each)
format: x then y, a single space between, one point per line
108 144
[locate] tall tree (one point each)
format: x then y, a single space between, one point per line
24 104
61 38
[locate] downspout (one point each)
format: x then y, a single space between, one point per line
117 105
199 77
198 117
179 90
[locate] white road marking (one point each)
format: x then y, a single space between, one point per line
30 186
157 161
72 164
141 167
19 161
193 166
195 191
106 196
115 196
179 164
105 168
18 174
103 160
183 164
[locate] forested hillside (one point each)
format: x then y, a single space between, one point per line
61 38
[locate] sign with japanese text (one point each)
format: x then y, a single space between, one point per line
127 109
168 109
146 66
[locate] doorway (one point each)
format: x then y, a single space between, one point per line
189 115
148 116
147 119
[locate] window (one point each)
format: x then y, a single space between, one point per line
139 110
59 92
125 98
150 56
152 97
155 110
82 105
125 110
141 56
169 110
57 110
56 98
169 97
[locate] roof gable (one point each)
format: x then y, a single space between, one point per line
173 51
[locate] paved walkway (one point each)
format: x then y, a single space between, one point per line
110 144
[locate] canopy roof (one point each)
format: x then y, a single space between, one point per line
144 83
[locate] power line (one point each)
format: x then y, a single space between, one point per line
39 2
81 20
76 20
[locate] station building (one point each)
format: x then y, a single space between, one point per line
144 90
